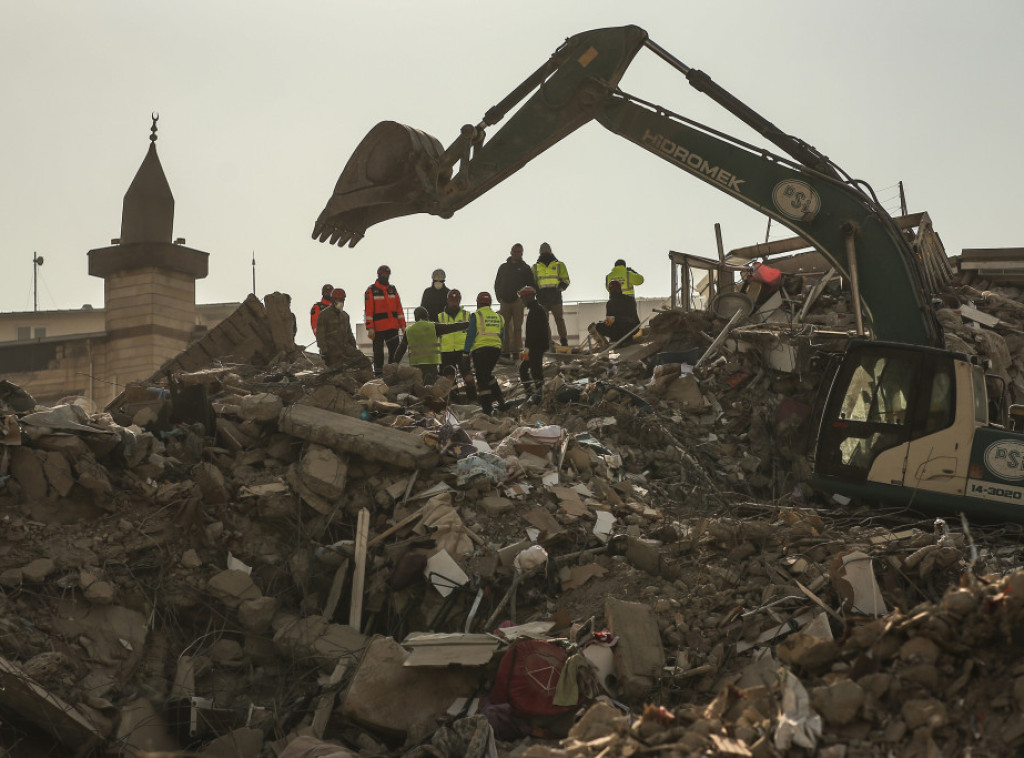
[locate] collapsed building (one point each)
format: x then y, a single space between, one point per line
248 555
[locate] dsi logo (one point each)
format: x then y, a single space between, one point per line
1005 459
796 199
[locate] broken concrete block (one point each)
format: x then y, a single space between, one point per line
100 593
143 729
260 407
232 587
27 469
839 702
243 742
495 505
93 477
644 555
190 559
928 712
324 472
58 473
313 637
394 700
38 570
211 483
639 657
345 434
255 615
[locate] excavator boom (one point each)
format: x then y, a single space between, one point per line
397 170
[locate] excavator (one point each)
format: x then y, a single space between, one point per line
905 421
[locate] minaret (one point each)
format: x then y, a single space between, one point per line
149 282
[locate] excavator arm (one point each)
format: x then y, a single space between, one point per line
397 170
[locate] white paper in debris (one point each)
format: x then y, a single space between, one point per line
443 572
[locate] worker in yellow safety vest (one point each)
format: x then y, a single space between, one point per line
423 339
483 343
625 276
552 279
453 360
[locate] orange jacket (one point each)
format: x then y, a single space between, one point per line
314 312
383 308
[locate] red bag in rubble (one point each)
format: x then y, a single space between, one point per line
527 677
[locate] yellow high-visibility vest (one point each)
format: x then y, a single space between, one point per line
456 340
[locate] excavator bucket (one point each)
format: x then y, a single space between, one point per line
393 172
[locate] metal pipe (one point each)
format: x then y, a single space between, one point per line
849 233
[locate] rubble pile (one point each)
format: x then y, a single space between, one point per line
281 560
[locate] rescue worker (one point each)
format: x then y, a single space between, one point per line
538 337
625 276
324 302
620 318
385 319
552 279
435 297
423 338
335 339
483 343
453 360
512 276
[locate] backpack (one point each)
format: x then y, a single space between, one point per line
527 677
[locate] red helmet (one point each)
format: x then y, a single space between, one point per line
338 294
454 295
527 290
384 271
484 298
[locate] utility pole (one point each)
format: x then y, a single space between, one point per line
37 261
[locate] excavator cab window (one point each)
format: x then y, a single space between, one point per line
883 397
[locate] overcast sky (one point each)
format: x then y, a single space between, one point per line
261 103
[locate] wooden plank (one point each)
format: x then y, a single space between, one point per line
347 434
355 615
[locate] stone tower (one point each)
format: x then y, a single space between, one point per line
149 282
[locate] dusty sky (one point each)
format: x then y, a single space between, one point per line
261 103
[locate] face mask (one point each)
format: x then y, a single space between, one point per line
339 304
438 285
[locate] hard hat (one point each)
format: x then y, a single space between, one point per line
326 289
338 294
484 298
438 275
527 290
384 271
421 313
454 295
620 262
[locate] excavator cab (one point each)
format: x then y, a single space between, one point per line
910 425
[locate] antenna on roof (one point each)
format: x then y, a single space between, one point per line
37 261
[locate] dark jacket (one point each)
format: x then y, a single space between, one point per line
537 332
434 300
512 276
623 308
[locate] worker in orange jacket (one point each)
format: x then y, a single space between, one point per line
385 319
324 303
